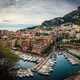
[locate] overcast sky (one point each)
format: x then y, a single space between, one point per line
34 11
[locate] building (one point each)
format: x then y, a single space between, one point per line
78 35
26 45
41 43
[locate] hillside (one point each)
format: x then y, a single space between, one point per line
72 17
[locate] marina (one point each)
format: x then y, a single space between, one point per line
24 73
72 59
50 69
28 57
44 66
28 65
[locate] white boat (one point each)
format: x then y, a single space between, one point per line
29 58
50 68
34 59
30 72
23 73
43 72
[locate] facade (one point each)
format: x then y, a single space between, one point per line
41 44
26 45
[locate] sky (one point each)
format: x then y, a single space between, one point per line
34 11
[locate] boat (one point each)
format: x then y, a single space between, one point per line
30 72
46 74
43 73
51 69
24 73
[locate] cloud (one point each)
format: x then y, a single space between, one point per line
6 3
34 11
74 2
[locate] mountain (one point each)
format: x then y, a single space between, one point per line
53 22
72 17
